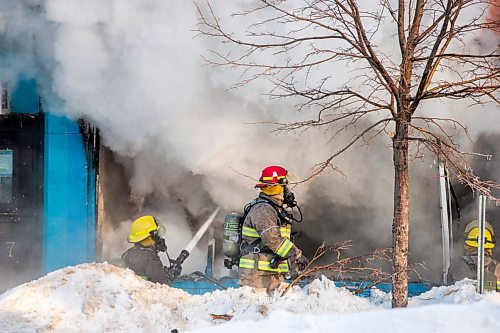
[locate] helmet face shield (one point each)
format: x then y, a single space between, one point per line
283 181
158 237
161 230
291 180
291 177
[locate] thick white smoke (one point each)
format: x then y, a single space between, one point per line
135 70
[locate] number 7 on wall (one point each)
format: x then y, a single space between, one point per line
10 246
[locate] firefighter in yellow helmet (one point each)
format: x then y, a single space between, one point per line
492 267
147 236
266 249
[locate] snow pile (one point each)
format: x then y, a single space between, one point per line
104 298
462 292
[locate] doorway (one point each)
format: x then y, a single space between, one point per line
21 198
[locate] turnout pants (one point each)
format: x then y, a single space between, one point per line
261 279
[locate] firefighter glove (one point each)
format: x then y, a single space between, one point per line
174 271
302 262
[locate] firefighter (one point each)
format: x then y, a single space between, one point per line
492 267
266 249
146 235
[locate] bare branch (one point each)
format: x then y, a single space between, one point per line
319 168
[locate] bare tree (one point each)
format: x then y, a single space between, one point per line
290 41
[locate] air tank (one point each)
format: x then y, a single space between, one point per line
232 235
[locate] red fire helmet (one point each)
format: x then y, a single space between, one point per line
272 175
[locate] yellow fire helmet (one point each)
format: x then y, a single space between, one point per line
142 228
472 235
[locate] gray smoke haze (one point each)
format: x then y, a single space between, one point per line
487 142
134 69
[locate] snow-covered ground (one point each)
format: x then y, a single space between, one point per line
104 298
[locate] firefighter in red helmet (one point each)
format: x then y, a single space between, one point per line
267 249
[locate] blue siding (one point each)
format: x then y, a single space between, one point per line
25 97
69 209
200 287
69 184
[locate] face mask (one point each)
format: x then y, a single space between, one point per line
159 242
289 198
157 236
289 201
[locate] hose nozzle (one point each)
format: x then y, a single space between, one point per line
182 257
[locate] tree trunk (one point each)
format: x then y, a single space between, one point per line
401 214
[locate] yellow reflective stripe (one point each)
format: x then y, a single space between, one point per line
250 232
271 178
283 267
247 263
284 248
285 232
265 266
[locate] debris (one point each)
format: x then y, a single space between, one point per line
225 317
264 310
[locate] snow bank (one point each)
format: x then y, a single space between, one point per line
104 298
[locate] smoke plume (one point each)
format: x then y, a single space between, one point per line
134 70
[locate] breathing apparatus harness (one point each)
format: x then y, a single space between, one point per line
285 217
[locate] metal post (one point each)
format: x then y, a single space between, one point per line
480 247
211 253
445 221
